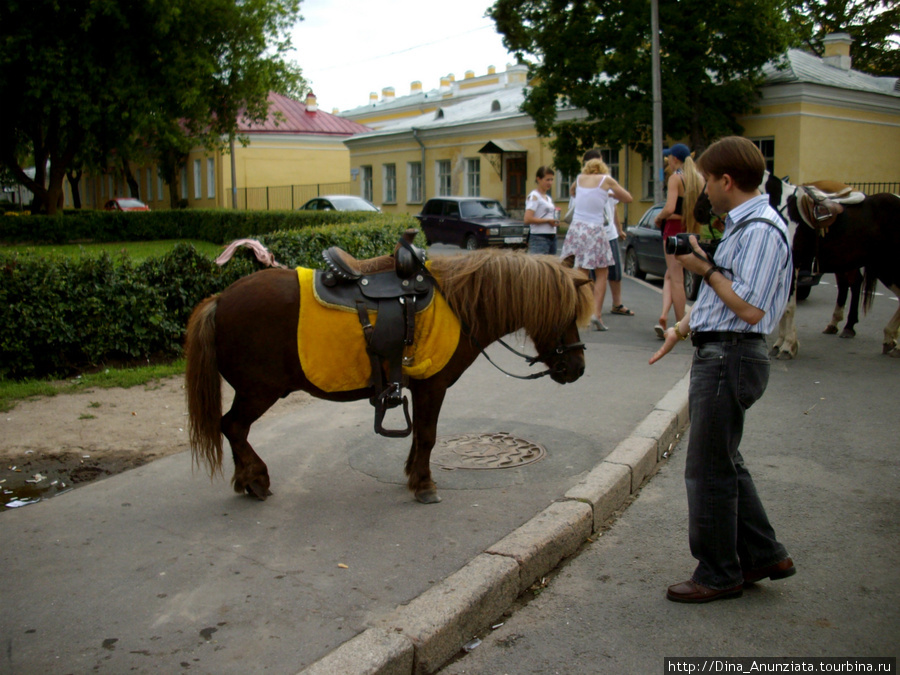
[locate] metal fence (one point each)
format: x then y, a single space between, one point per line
875 188
288 197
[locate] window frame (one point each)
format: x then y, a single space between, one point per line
473 177
415 183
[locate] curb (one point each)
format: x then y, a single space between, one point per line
421 636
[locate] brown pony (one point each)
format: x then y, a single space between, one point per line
248 335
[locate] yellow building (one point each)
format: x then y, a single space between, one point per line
297 153
817 119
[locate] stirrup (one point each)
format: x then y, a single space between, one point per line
391 398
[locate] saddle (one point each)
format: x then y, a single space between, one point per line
820 209
397 287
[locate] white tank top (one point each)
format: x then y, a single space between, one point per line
590 203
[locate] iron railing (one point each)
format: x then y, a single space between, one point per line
288 197
875 188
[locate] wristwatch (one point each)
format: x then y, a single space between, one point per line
709 273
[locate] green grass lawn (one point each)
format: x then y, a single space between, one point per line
138 251
11 391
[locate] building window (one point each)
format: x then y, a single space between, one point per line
414 182
110 186
184 186
443 178
389 175
612 161
767 148
197 178
367 183
210 178
473 177
159 185
647 179
563 185
149 184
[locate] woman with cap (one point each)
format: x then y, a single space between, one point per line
684 186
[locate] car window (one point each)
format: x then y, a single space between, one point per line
451 209
351 204
650 216
482 208
433 208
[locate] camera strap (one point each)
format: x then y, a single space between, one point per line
740 226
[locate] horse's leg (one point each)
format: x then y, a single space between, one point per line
855 280
838 314
250 473
428 397
787 343
892 330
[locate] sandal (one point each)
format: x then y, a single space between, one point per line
623 310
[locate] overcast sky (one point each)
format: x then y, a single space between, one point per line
348 48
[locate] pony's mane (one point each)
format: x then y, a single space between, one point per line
500 291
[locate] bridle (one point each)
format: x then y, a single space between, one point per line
559 367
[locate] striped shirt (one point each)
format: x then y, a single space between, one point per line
757 261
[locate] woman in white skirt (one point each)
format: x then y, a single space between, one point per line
586 239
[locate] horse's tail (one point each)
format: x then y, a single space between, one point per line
203 387
870 281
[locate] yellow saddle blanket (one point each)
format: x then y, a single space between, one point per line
332 346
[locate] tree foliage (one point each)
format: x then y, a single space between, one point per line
874 26
596 55
98 80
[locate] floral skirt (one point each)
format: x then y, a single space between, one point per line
588 243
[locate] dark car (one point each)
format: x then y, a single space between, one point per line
125 204
470 222
644 253
339 203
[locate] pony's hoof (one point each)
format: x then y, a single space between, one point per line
894 353
890 349
784 356
428 497
256 489
830 330
848 333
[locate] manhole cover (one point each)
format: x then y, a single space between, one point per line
485 451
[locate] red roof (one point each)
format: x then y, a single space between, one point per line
296 119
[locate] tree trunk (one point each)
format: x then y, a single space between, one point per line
74 180
133 187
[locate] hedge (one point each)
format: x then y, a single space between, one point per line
60 316
216 225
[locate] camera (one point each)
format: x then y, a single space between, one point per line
680 244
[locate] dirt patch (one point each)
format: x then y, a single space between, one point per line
53 444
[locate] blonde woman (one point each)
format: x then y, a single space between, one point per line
586 239
684 186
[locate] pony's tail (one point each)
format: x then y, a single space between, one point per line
203 387
870 281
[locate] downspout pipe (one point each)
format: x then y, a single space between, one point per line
415 133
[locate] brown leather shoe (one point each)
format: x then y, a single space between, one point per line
691 591
780 570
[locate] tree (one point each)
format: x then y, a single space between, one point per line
595 55
874 26
102 79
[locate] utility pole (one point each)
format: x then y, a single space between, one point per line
657 104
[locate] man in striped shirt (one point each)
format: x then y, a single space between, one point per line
745 292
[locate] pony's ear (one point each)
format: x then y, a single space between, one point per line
581 281
569 261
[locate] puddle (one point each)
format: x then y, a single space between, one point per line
17 495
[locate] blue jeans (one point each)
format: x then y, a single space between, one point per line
728 527
542 244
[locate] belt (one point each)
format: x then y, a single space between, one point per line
702 337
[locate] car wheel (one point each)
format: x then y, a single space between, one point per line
803 292
471 243
631 265
691 285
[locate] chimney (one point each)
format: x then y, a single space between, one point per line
311 102
837 50
373 98
415 87
491 70
469 74
387 94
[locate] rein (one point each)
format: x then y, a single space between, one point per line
558 351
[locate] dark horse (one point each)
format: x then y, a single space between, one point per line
248 334
865 235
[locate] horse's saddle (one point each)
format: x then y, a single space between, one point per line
820 209
397 287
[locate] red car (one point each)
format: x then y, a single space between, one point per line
125 204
